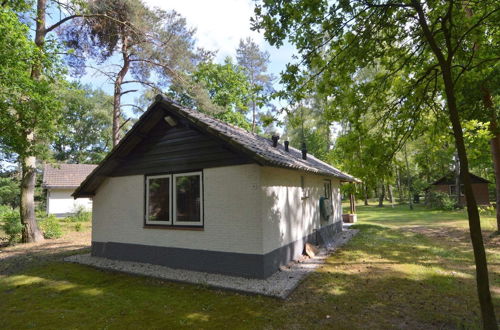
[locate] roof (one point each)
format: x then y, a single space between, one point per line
65 175
257 148
449 179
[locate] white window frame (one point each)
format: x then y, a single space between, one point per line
153 222
174 200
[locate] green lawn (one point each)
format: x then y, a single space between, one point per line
404 269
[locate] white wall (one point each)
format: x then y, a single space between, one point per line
247 209
287 216
231 213
60 201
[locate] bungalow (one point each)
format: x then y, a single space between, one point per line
185 190
447 185
59 182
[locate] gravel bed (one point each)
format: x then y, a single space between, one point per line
280 285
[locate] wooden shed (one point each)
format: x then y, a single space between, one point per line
447 185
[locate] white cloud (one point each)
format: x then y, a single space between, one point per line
220 24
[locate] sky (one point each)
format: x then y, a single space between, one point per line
220 24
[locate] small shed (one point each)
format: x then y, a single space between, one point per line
59 182
447 185
185 190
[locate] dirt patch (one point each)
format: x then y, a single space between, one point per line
15 258
456 235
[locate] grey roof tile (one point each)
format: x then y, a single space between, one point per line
264 147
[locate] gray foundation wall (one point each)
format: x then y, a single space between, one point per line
228 263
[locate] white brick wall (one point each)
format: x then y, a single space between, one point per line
287 216
231 217
247 209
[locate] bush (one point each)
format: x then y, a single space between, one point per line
81 215
11 225
440 200
51 227
487 210
78 227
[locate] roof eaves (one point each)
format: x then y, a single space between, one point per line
79 191
237 146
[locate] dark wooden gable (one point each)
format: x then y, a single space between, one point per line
174 149
450 180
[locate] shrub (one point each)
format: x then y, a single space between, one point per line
51 227
11 225
487 210
440 200
80 215
78 227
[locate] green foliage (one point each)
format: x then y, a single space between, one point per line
440 200
487 210
78 227
227 87
10 222
50 226
85 134
29 106
255 63
226 83
9 191
80 215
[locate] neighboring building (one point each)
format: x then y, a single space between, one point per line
448 185
188 191
60 181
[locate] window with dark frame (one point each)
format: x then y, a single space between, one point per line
453 190
174 199
327 184
158 200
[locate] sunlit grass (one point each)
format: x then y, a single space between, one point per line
386 277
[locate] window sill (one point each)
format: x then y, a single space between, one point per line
173 227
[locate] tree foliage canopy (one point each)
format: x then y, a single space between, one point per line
27 106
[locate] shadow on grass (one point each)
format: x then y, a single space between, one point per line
382 278
19 261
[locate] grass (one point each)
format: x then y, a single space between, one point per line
397 272
400 215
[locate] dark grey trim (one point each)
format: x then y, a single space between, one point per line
229 263
238 264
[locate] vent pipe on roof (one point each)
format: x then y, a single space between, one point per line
304 151
275 139
286 145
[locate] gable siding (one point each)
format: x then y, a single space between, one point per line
180 148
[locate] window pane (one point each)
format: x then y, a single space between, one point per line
187 190
159 199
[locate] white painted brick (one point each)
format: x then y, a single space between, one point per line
247 209
231 213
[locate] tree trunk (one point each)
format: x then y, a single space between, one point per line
389 193
118 91
410 190
398 183
31 232
482 278
382 195
457 183
495 149
366 194
254 115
